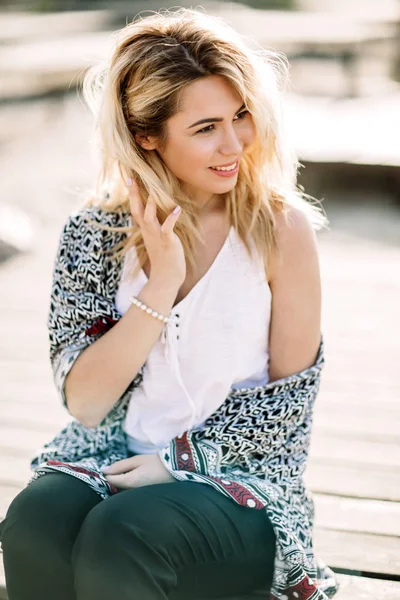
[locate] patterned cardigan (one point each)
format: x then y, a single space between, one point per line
253 448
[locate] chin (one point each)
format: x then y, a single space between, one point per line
219 187
225 186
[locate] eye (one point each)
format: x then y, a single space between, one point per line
211 127
243 114
205 129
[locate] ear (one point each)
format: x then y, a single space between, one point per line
145 141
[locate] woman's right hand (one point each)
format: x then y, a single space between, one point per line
163 246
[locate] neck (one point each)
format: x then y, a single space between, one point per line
215 204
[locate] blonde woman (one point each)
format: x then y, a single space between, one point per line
185 340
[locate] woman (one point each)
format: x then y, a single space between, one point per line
185 341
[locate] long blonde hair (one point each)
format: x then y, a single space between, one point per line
137 91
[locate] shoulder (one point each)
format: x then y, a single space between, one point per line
87 236
85 218
296 241
293 225
89 227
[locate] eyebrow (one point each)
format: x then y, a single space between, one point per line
214 119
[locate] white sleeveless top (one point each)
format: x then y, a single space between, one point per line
218 341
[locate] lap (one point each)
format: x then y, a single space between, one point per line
207 536
211 541
175 513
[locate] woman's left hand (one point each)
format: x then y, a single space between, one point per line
137 471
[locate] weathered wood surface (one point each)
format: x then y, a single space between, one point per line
351 588
353 467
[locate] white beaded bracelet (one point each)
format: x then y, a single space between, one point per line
148 310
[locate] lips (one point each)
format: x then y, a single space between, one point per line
226 172
225 165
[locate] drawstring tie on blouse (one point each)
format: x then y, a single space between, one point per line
169 339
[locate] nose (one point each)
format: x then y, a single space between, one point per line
231 144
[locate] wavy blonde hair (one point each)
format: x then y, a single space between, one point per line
137 91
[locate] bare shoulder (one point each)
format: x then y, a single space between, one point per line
296 240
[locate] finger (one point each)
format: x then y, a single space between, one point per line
150 214
122 466
168 226
123 482
135 201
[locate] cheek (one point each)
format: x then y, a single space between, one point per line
249 134
199 152
188 158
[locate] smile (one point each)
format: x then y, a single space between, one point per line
227 170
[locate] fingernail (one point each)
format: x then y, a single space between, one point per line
176 210
129 181
105 469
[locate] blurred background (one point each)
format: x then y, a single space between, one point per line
343 113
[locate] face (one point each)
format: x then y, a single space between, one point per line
212 129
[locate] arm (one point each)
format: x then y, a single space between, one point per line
103 371
92 372
295 330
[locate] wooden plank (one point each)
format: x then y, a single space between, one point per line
19 373
344 125
292 31
362 588
344 391
32 416
21 440
328 447
358 551
349 514
351 588
26 323
16 387
7 495
20 349
37 398
14 471
20 25
328 477
343 401
373 426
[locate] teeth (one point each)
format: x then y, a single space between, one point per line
231 168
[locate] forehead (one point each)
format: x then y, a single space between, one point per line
211 96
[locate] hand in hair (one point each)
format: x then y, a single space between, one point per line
164 248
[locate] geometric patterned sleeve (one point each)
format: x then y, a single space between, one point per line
81 303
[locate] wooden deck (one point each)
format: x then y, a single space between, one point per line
355 453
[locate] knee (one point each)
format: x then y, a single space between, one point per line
36 523
99 545
119 543
21 526
104 528
127 519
